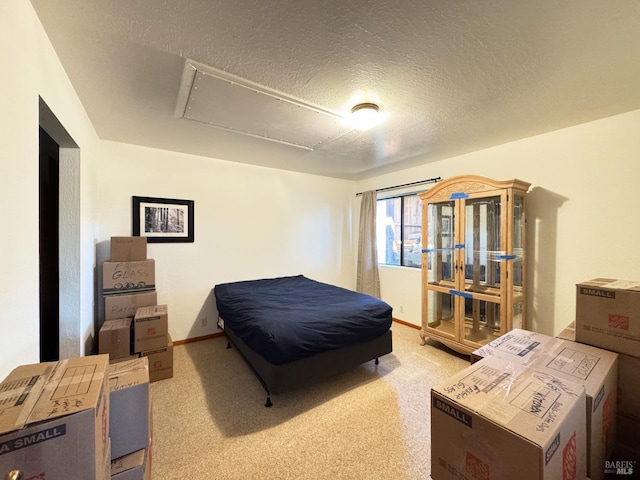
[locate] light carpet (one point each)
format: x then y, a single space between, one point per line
370 423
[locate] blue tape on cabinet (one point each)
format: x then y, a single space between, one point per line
461 294
458 195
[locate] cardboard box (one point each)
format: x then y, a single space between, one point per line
150 449
114 338
569 333
128 249
608 315
54 419
128 358
629 388
129 403
134 466
518 345
126 305
500 420
160 361
594 368
150 328
107 461
128 277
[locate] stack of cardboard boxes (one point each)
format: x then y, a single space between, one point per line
541 407
131 420
135 335
54 420
608 316
79 418
508 419
495 419
593 369
134 325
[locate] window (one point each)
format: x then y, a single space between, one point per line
399 229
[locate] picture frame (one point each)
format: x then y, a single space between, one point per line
163 220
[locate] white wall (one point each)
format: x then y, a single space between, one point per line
31 69
18 190
581 213
250 222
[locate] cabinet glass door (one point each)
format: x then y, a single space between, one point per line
482 269
517 277
482 245
440 243
441 313
438 263
482 320
518 242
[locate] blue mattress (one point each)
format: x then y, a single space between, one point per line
289 318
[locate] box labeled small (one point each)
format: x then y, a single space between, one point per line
594 368
608 315
497 419
54 419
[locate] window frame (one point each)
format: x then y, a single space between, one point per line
402 227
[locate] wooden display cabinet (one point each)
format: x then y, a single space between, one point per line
473 261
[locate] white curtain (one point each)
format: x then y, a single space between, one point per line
368 280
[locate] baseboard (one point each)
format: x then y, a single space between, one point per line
198 339
402 322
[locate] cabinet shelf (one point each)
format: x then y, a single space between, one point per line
473 260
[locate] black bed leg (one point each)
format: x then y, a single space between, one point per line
377 361
268 404
228 344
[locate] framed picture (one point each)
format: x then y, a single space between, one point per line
163 220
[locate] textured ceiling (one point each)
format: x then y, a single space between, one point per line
449 76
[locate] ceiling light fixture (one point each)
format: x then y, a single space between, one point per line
365 115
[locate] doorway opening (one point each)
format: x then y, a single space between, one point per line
60 273
49 191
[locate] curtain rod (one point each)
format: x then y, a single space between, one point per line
420 182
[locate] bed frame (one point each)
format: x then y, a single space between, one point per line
289 376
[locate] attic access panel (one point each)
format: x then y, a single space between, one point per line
237 105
